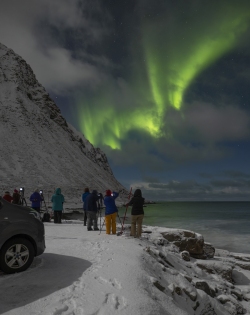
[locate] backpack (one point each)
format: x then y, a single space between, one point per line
46 217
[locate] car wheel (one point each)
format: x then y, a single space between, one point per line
16 255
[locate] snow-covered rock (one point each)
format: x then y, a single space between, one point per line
39 149
186 241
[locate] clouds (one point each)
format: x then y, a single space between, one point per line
54 37
216 189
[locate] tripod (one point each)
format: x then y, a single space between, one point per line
124 218
22 199
101 223
43 200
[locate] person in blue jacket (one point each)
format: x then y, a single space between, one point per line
57 205
84 196
110 211
92 209
36 200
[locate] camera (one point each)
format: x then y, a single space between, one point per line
40 192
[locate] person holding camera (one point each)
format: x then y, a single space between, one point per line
110 211
84 196
36 200
16 197
92 209
137 213
57 205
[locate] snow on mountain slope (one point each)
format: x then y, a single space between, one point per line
38 148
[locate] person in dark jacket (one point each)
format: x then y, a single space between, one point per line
7 196
36 199
84 196
57 205
110 211
137 213
91 207
16 197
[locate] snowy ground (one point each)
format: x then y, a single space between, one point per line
88 272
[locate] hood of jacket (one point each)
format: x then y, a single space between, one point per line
137 193
58 191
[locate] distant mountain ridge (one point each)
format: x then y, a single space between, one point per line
39 149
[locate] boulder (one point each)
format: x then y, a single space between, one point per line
187 241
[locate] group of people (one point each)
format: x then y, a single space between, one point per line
15 198
36 199
92 203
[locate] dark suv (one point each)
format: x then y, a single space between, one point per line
21 236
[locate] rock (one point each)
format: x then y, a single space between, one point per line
208 310
209 250
164 258
191 294
197 304
213 267
186 241
242 257
174 289
238 294
185 255
234 308
159 286
202 285
189 279
161 242
243 265
223 298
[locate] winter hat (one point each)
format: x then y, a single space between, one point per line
15 191
108 192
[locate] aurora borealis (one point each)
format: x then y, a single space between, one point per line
171 61
161 86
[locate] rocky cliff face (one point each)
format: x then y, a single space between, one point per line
39 149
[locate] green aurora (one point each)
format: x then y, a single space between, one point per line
171 61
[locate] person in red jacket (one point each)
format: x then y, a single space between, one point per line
7 196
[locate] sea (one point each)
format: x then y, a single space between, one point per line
226 225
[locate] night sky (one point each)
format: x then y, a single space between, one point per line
161 86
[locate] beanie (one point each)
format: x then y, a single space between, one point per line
15 191
108 192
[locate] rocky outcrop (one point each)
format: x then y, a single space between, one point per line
190 242
41 149
218 285
187 241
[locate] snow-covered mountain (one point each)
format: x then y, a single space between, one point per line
39 149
